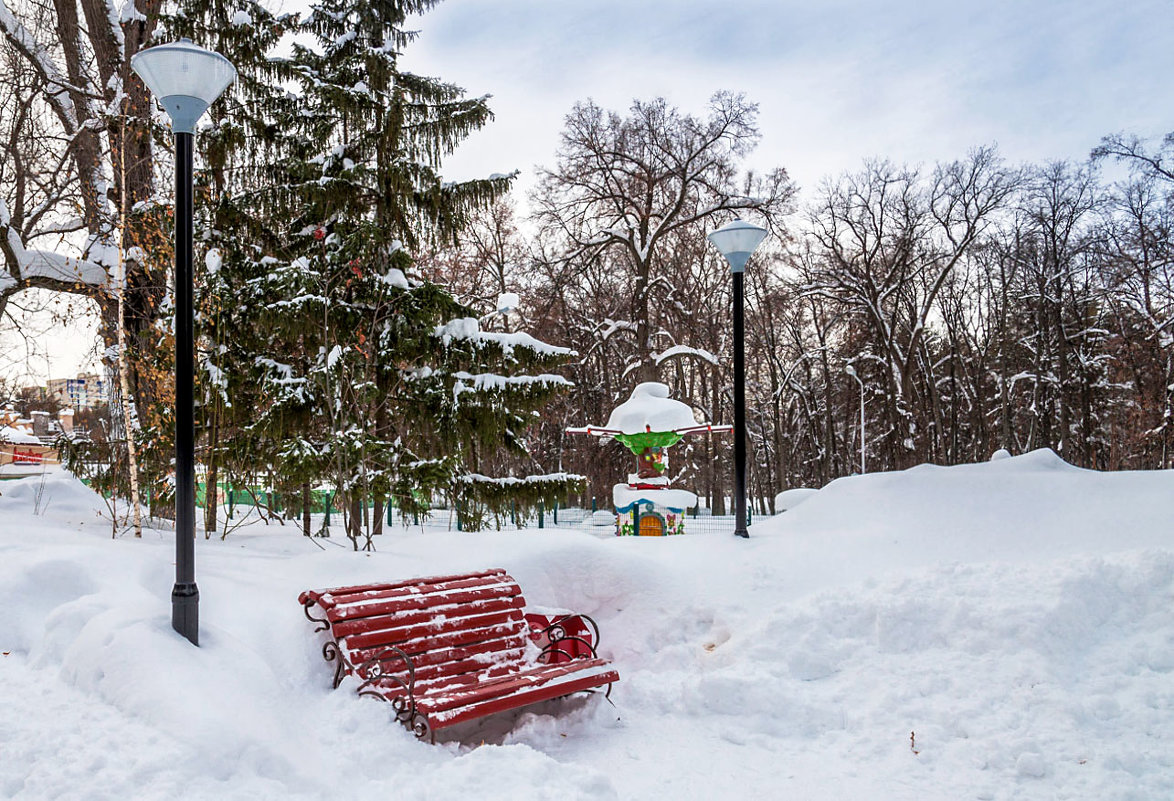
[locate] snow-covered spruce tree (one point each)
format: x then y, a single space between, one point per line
392 391
377 381
374 135
236 232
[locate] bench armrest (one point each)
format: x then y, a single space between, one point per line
570 635
308 600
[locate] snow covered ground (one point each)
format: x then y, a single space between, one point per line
992 631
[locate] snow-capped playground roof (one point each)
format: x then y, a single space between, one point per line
623 497
650 409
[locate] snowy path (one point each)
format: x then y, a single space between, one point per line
58 742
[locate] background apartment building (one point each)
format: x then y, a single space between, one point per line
84 392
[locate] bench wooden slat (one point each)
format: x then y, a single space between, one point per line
426 636
483 588
437 698
357 593
526 693
349 620
467 678
487 652
410 616
432 655
433 675
441 698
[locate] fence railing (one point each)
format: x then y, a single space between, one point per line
601 519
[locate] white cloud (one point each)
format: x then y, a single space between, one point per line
836 81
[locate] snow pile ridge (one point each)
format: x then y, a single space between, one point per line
59 494
1021 506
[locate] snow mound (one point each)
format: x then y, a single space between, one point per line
994 631
603 517
789 499
55 493
17 437
1034 505
989 669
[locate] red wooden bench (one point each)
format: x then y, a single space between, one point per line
449 649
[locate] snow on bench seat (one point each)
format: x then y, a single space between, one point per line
448 649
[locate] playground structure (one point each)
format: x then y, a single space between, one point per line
648 424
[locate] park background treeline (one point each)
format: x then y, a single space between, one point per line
983 304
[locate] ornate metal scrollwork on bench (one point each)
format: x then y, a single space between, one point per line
331 652
421 728
375 673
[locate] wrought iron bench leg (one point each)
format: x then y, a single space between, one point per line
331 652
378 680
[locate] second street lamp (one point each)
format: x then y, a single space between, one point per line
737 241
186 79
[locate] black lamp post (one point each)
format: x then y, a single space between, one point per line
186 79
737 241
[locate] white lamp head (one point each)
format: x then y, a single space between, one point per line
507 302
185 77
737 241
850 370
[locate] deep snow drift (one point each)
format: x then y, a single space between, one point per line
991 631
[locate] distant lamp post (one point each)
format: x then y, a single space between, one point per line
507 303
736 242
186 79
850 370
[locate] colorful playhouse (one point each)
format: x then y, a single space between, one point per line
648 424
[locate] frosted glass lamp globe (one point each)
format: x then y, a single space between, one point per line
185 77
737 241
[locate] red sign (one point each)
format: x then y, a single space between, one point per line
26 457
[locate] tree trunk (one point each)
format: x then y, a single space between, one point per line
307 500
211 484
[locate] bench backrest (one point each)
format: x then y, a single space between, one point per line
450 626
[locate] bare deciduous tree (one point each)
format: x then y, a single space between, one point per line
72 114
626 188
890 239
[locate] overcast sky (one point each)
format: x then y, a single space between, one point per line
836 81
